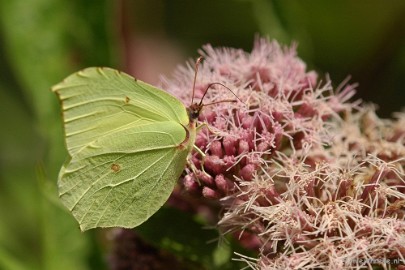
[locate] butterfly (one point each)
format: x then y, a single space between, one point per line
128 143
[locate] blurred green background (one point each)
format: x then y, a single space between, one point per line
43 41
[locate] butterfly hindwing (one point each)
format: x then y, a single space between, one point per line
126 186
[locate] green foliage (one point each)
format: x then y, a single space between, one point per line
176 232
35 231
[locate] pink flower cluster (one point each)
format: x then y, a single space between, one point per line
308 178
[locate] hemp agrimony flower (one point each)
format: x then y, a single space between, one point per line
307 177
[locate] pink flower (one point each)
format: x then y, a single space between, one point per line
316 180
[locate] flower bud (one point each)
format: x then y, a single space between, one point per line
214 164
210 193
247 172
223 184
216 149
190 183
243 147
229 144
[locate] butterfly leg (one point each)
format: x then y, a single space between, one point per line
204 124
193 168
202 158
215 132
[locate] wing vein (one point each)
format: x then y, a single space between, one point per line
148 192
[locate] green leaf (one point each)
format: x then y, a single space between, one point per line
189 238
32 230
7 261
44 39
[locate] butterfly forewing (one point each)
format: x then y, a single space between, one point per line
99 101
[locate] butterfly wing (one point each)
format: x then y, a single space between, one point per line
127 145
123 178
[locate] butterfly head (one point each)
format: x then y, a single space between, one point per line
195 108
194 111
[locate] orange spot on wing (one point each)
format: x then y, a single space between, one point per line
115 167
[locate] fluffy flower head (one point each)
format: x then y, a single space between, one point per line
306 177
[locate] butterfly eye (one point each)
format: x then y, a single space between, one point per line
194 111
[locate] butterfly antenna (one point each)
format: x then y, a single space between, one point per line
197 63
226 100
220 101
